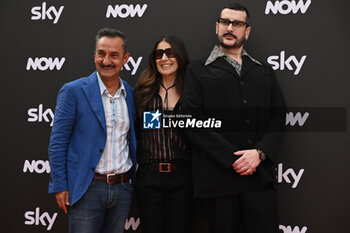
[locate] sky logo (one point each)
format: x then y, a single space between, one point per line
282 62
151 120
132 65
40 114
39 218
289 175
44 12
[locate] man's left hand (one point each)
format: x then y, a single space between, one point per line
247 163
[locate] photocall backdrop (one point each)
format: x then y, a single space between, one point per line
46 43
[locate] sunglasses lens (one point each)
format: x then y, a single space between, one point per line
170 53
158 53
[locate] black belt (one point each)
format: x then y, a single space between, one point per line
166 167
112 178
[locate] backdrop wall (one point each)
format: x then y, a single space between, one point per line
45 44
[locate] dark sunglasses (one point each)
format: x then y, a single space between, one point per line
235 23
169 52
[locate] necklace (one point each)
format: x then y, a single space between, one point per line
166 94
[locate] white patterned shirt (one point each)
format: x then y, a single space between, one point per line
115 157
217 52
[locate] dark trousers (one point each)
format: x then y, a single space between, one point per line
164 200
255 211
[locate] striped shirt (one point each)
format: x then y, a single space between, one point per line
115 157
164 144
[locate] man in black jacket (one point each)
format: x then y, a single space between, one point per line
233 167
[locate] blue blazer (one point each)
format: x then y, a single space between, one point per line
78 136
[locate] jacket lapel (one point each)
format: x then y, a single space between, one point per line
246 65
93 95
221 64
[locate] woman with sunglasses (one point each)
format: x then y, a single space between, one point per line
164 180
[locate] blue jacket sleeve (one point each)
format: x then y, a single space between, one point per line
64 119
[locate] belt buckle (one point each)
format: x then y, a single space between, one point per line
164 167
109 176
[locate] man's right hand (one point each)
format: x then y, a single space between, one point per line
62 199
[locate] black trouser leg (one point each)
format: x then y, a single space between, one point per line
164 200
178 202
223 214
149 202
255 210
259 210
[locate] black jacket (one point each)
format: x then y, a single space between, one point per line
252 110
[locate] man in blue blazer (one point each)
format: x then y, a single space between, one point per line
93 144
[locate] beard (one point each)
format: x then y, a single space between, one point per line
239 42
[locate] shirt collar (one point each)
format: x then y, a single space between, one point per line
103 88
217 52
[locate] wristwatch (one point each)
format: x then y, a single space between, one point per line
262 155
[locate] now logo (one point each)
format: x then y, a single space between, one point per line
291 63
132 223
288 229
44 63
38 166
292 119
42 12
124 10
285 7
36 218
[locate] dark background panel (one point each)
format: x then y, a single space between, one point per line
317 203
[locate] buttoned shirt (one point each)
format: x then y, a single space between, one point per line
217 52
115 157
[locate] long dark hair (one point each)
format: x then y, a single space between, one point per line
149 80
